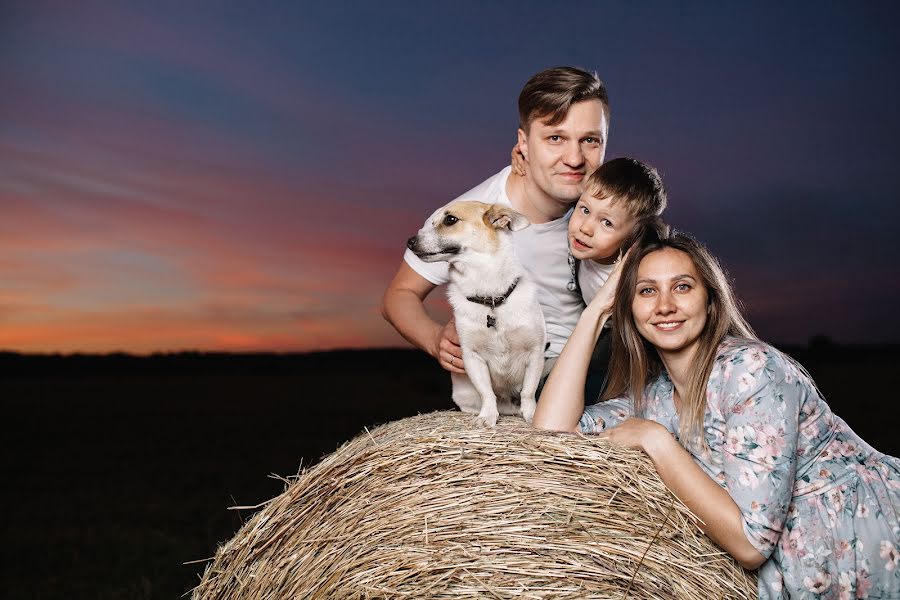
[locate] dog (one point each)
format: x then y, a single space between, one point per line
499 321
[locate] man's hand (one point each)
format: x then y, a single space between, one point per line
447 349
403 307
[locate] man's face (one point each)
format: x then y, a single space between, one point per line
560 157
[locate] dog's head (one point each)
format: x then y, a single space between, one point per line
464 226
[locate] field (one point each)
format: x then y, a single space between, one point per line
118 470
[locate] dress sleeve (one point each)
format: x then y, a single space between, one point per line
603 415
761 399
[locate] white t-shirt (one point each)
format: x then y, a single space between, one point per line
591 277
543 250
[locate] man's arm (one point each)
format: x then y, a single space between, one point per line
403 307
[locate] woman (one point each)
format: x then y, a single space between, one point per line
736 429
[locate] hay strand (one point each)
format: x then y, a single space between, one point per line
435 507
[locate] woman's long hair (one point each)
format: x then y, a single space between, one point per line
634 360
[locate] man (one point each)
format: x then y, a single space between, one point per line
563 124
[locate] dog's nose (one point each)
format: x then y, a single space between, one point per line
411 242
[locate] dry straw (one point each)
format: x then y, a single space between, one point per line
435 507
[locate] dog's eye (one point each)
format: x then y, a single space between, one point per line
450 220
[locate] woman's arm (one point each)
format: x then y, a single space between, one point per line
720 516
760 395
562 399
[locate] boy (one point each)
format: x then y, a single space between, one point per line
620 198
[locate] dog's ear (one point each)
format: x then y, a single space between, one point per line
499 216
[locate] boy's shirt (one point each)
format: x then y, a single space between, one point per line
591 277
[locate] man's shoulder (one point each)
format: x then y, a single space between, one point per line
491 190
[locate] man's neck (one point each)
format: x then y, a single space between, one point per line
527 199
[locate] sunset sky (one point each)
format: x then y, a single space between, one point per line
242 176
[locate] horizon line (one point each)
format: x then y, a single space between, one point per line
814 342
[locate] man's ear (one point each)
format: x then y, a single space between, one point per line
499 216
523 142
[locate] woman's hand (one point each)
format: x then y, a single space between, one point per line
602 303
517 161
640 434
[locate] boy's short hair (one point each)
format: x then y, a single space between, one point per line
631 181
549 95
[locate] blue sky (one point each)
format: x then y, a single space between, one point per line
242 176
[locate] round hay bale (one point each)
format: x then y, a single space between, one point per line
435 507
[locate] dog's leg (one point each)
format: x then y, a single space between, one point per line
465 395
480 377
530 382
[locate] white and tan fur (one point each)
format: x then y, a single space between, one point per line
503 362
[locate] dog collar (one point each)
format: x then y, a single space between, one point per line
493 301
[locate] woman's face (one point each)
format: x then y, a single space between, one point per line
669 305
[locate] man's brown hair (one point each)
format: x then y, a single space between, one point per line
549 95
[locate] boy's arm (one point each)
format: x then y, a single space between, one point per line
403 307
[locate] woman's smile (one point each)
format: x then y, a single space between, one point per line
669 305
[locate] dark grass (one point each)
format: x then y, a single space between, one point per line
116 472
119 469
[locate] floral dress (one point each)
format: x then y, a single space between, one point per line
815 499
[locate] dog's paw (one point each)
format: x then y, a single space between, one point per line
528 411
487 419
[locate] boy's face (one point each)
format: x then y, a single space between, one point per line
598 228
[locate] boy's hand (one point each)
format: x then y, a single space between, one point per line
518 161
449 352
